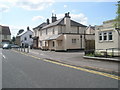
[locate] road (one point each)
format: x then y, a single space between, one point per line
22 71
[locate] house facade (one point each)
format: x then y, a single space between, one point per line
107 37
61 35
5 34
36 32
24 38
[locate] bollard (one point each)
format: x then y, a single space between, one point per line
28 50
24 48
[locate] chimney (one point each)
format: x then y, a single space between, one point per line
48 22
67 15
54 18
67 23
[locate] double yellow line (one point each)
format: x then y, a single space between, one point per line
70 66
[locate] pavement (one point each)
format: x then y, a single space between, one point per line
20 70
76 59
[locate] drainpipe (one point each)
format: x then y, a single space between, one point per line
81 40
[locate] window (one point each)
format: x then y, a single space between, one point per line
53 31
46 32
100 36
5 36
73 40
53 44
25 38
105 35
30 36
109 35
40 43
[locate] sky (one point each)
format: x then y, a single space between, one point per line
18 14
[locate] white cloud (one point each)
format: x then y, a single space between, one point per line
37 18
29 4
4 8
53 11
81 18
65 6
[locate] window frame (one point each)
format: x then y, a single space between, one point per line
30 36
105 36
74 41
110 35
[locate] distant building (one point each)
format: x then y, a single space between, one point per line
5 34
90 30
24 38
90 38
60 35
107 37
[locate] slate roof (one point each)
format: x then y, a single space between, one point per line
5 30
93 27
41 25
23 33
61 22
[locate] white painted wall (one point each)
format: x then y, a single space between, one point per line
106 27
29 40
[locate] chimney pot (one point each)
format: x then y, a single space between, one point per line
48 22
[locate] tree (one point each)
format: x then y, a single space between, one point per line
118 15
13 39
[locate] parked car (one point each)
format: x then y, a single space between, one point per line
6 46
14 46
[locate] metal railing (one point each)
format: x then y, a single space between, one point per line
111 52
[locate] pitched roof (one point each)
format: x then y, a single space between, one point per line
23 33
54 23
41 25
5 30
61 22
93 27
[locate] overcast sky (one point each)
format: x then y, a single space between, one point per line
18 14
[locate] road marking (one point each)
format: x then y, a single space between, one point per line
4 56
70 66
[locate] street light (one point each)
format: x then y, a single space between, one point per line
118 30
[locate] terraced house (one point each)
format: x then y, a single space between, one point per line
60 35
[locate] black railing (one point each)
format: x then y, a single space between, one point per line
111 52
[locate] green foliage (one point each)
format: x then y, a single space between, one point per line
91 55
13 39
118 15
98 54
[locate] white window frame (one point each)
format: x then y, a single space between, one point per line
105 34
109 35
101 36
74 41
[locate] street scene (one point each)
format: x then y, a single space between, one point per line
69 46
21 71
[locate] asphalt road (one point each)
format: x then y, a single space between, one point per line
21 71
